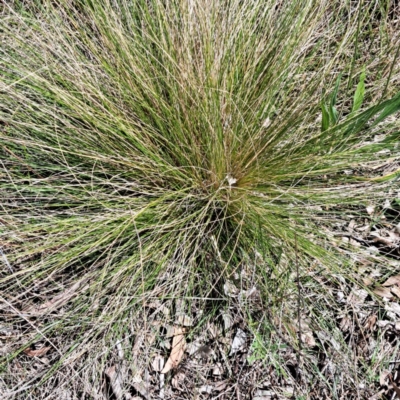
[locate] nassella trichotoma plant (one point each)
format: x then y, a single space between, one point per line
149 148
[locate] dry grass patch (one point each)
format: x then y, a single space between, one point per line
160 160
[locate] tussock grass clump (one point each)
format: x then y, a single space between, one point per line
150 149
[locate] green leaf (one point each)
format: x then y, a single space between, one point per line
333 115
356 123
359 94
335 91
391 176
325 117
390 107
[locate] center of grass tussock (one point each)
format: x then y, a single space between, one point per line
153 149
